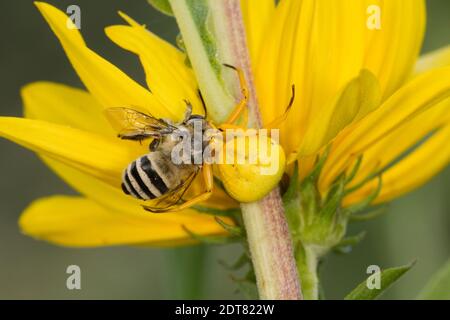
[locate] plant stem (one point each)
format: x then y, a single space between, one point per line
265 222
307 268
271 248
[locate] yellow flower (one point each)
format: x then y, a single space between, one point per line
360 89
356 90
67 129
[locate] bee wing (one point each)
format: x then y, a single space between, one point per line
134 125
173 198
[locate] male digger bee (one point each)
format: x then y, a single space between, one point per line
155 176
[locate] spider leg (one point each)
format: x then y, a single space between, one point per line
208 178
240 107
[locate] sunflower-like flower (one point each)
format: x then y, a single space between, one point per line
370 121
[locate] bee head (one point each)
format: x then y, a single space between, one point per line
195 117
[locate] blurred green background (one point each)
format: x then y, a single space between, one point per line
417 226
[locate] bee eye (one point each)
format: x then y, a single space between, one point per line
154 145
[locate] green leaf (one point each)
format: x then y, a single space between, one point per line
291 202
438 287
162 5
388 277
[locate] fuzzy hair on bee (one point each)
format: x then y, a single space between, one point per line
156 175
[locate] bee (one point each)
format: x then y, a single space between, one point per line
154 176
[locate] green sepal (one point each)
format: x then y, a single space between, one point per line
292 205
333 200
250 276
320 162
211 239
349 178
162 6
241 262
369 177
248 288
232 230
217 212
346 245
388 277
370 214
354 209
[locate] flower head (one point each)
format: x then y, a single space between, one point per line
360 107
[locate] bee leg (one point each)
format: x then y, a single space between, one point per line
239 108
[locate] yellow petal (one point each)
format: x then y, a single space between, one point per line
94 154
115 200
274 62
432 60
257 17
358 98
298 51
167 75
109 85
392 50
411 172
112 197
418 96
320 46
80 222
65 105
404 138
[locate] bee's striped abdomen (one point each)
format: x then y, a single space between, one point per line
142 180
